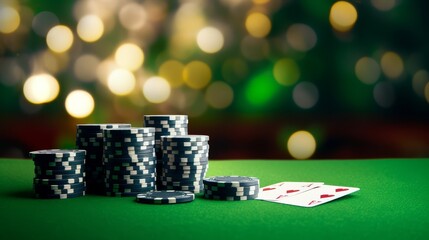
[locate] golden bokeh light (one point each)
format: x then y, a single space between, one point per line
210 40
301 37
90 28
384 5
41 88
129 56
261 1
121 82
286 71
172 71
132 16
367 70
258 24
343 16
156 90
420 79
9 19
79 104
219 95
59 38
84 67
392 65
301 145
197 74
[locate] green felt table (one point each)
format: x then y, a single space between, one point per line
392 204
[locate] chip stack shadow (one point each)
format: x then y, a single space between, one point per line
165 125
129 161
59 173
90 138
185 161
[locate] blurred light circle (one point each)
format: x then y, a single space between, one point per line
121 82
79 104
90 28
392 65
286 71
305 95
172 71
420 80
59 38
210 40
132 16
84 67
384 5
258 24
129 56
255 49
367 70
156 90
343 16
9 19
41 88
44 21
384 94
197 74
219 95
301 37
426 92
301 145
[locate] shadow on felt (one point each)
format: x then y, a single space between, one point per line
25 193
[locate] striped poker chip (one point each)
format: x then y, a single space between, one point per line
165 197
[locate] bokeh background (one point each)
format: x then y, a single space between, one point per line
265 79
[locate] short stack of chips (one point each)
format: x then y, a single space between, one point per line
185 162
165 125
231 188
129 161
90 138
165 197
59 173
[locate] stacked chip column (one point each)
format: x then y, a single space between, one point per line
59 173
129 161
185 162
165 125
90 138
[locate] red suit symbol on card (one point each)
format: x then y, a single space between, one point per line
292 191
326 195
341 189
268 189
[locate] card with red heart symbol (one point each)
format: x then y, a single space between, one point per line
282 190
318 196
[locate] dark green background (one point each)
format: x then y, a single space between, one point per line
392 204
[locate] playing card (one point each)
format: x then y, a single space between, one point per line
317 196
278 191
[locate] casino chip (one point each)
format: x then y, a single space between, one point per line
129 161
90 138
59 173
165 197
231 188
185 162
165 125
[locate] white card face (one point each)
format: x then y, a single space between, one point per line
278 191
319 195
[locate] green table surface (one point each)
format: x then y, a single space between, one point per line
392 204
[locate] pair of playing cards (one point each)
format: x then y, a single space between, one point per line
303 194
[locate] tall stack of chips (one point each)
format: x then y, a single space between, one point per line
129 161
90 138
165 125
59 173
185 162
231 188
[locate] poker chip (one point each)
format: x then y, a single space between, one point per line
91 138
59 173
165 197
231 188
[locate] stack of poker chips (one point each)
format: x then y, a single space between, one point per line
129 161
231 188
59 173
90 138
185 161
165 125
